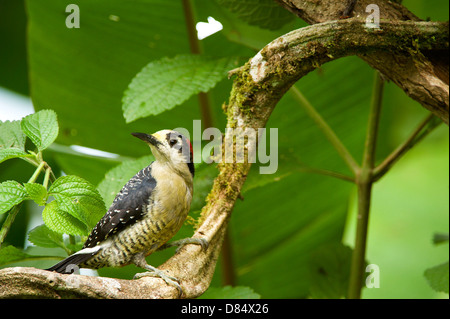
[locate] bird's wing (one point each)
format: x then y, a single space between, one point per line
127 208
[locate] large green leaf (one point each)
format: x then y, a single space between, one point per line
166 83
266 14
13 61
330 271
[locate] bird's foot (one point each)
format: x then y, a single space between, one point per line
180 243
154 272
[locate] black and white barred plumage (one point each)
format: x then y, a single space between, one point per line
146 213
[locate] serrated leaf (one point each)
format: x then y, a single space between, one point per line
266 14
11 136
228 292
42 236
36 192
12 141
11 193
41 128
79 198
62 222
438 277
161 85
7 154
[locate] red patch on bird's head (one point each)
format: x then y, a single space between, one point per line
190 146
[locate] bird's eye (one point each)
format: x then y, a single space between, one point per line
172 142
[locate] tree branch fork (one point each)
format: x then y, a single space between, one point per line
257 88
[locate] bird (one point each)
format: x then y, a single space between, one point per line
147 212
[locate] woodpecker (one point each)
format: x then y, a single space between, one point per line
148 211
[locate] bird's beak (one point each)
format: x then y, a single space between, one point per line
150 139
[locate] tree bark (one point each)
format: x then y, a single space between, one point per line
421 73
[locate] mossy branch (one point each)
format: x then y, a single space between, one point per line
421 72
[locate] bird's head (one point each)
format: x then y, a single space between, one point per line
171 147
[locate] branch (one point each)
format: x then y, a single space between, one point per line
257 88
417 135
421 73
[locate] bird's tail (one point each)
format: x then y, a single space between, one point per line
71 263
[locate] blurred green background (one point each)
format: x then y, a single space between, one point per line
284 218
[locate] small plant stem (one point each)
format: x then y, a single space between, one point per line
207 121
8 222
417 135
36 173
364 182
46 177
194 44
13 212
229 276
327 131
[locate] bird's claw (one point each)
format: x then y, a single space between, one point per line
171 281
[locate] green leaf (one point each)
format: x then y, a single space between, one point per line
330 271
12 141
11 193
438 277
266 14
44 237
166 83
11 136
9 153
61 221
10 254
228 292
79 198
41 128
36 192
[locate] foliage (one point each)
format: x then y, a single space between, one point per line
76 206
120 73
166 83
